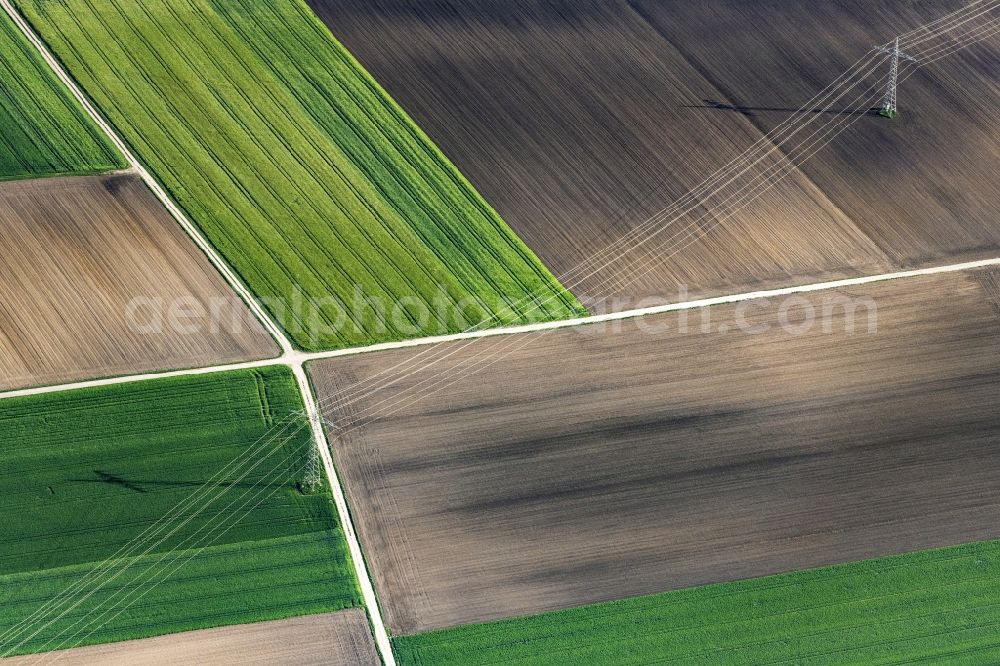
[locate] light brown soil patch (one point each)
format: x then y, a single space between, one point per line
76 252
341 638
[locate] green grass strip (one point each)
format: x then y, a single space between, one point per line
937 606
43 130
299 168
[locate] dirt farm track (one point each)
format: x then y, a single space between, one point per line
594 466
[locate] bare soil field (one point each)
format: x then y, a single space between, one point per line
341 638
572 119
596 464
923 186
78 254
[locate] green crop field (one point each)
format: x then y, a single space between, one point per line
299 168
228 584
43 130
84 473
938 606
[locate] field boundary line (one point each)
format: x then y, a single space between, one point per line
657 309
293 359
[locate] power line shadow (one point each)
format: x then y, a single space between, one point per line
142 486
751 111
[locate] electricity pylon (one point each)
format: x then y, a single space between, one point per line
313 479
889 109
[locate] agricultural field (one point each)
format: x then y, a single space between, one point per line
86 473
921 187
937 606
341 638
43 130
664 457
93 269
599 113
811 478
299 168
572 117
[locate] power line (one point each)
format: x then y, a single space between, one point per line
889 108
741 200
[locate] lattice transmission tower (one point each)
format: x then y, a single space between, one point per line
312 481
889 108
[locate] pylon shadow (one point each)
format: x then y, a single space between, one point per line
143 485
751 111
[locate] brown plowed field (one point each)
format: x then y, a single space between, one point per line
570 116
923 187
77 252
578 119
341 638
593 465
